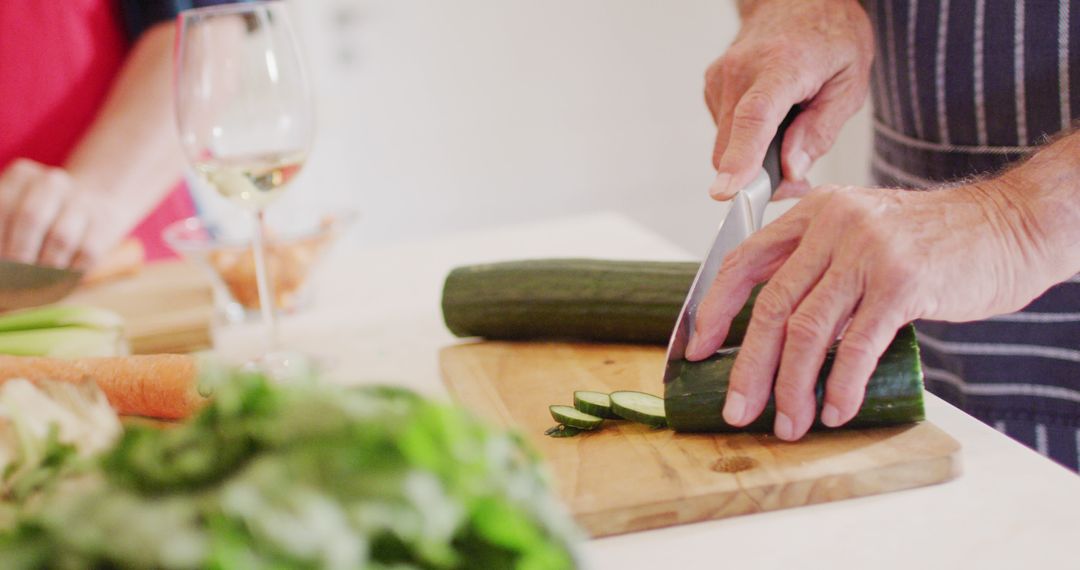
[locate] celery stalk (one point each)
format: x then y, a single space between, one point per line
53 316
63 342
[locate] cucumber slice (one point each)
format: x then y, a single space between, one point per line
594 403
563 431
575 418
639 407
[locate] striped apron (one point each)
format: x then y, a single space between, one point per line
962 88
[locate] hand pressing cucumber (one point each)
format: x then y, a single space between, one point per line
693 400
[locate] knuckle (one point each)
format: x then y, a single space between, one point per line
773 306
823 135
893 264
29 220
92 246
789 393
745 364
805 328
787 74
61 241
24 166
748 378
729 66
714 74
726 70
846 391
857 345
851 208
754 109
897 270
56 178
822 192
734 260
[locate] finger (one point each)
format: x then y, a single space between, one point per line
722 118
791 189
810 331
41 201
815 129
753 262
97 241
12 182
872 328
714 88
752 375
754 121
63 239
723 109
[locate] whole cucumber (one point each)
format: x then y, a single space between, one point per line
573 299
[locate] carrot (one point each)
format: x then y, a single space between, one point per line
157 386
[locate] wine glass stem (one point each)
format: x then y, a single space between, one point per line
262 280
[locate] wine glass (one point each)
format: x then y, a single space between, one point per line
245 115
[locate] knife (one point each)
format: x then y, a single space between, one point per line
744 218
26 285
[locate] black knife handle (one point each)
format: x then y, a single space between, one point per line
772 154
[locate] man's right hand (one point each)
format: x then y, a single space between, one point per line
811 52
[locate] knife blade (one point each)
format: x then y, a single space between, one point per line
745 217
25 285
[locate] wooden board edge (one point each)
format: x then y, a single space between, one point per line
689 510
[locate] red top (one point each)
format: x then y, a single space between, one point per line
59 60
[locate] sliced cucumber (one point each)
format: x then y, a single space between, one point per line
639 407
563 431
595 403
575 418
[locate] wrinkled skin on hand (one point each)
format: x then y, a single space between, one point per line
816 53
861 263
45 217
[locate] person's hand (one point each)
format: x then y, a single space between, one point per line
870 260
816 53
45 217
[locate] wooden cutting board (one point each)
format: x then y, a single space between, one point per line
628 477
167 306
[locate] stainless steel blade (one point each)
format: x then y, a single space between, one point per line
744 217
25 285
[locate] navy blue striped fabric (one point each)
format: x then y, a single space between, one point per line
139 15
1019 373
998 87
1041 68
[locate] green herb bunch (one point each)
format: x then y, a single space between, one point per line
301 476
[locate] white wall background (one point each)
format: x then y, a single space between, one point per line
437 116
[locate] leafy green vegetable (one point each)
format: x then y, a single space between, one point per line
49 430
306 476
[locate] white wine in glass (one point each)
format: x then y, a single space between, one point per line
252 181
245 115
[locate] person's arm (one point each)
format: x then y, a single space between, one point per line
864 262
816 53
124 165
